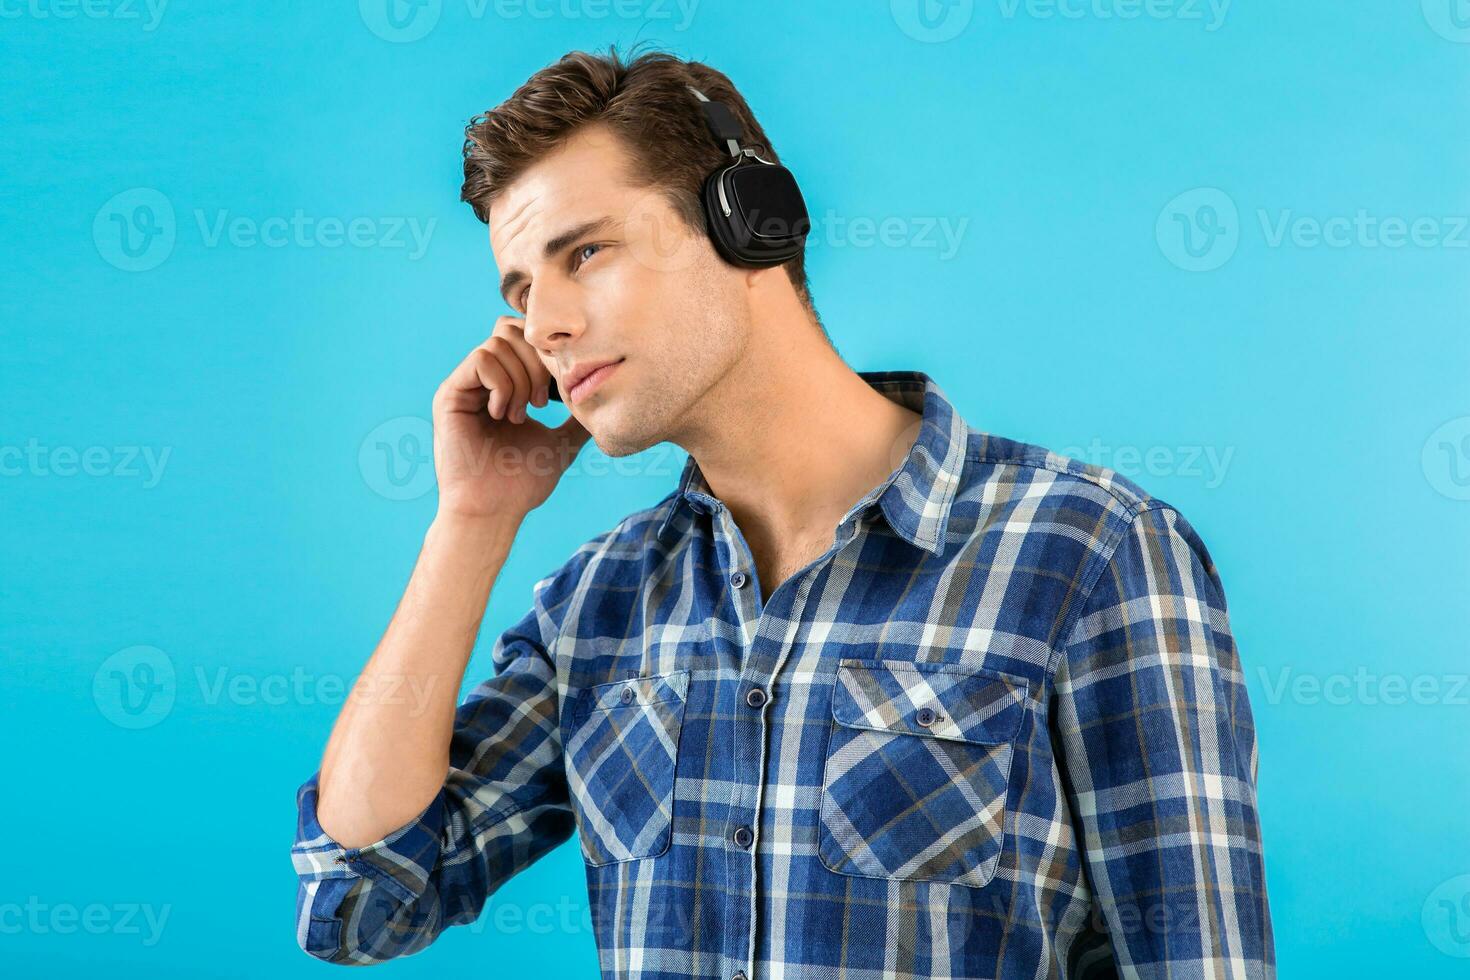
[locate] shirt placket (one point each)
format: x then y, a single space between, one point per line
764 650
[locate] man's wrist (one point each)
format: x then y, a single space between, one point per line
490 535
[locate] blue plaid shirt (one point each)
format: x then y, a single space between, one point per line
998 730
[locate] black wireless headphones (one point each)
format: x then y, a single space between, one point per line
755 211
752 206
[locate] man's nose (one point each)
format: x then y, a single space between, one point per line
553 318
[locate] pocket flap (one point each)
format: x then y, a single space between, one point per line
672 686
960 703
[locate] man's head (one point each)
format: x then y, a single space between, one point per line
589 177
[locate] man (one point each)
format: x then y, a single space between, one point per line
870 694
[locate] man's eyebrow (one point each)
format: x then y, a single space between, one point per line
514 277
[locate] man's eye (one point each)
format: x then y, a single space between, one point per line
525 294
582 252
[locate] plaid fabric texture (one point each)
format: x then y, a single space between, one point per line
999 729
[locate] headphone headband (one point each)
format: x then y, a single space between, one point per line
753 207
722 122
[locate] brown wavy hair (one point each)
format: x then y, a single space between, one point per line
643 100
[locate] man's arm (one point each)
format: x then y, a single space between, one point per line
499 802
389 749
419 810
1157 747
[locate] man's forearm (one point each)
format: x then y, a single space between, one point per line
388 753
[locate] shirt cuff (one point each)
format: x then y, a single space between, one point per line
401 861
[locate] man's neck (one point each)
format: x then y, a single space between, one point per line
793 438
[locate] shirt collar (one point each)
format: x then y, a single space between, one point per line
916 497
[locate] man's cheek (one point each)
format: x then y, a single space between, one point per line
658 240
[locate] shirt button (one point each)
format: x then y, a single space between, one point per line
739 975
926 717
742 836
627 695
755 697
738 580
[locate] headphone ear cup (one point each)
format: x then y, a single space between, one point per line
768 222
720 231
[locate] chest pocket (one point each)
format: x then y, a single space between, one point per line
620 758
918 770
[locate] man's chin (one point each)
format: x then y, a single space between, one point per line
616 441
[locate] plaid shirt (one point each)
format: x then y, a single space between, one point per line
998 730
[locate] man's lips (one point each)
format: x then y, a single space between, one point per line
591 381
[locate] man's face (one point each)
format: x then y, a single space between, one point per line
624 278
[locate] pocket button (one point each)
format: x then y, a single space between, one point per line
926 717
628 695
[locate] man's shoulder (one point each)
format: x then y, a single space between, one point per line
615 555
1048 491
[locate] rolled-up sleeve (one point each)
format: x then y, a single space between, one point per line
504 803
1157 749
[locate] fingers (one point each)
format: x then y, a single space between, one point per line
499 377
481 382
507 398
514 330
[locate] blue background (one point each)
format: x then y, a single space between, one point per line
283 381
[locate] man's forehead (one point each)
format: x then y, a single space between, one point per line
579 181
